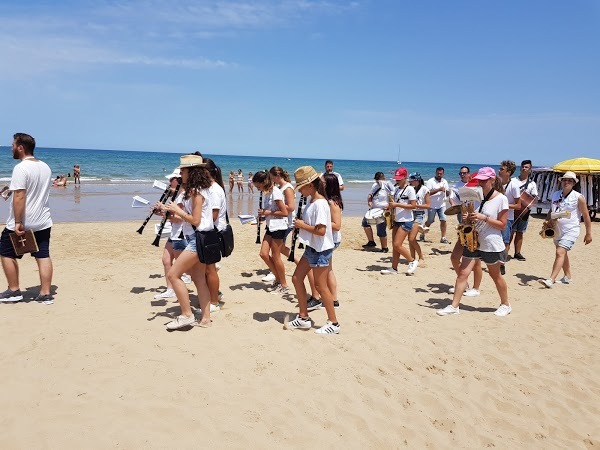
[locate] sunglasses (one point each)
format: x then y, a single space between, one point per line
463 173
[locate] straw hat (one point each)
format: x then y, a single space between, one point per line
191 161
305 175
176 174
569 176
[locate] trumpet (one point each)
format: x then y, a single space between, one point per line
467 232
549 226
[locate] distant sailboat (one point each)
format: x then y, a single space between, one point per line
398 160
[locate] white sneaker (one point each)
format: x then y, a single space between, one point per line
448 310
186 278
503 310
412 266
169 293
564 280
269 277
423 229
451 290
180 322
472 293
299 324
390 271
548 283
213 309
218 266
328 328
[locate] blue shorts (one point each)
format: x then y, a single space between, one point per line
564 243
43 241
507 231
381 227
191 243
490 258
179 244
520 226
336 245
317 259
406 226
419 216
440 212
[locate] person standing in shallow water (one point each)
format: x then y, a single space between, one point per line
76 174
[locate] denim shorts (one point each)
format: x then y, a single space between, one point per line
490 258
506 232
317 259
564 243
406 226
191 243
43 241
336 245
419 216
381 227
440 212
179 244
520 226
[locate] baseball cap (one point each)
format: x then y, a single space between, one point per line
401 173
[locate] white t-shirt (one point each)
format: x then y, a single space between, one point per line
218 200
339 177
421 198
531 187
35 177
381 196
336 234
490 238
177 227
568 228
317 213
206 221
512 192
291 214
404 195
274 223
454 195
437 200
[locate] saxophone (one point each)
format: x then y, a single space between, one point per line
549 226
389 214
467 232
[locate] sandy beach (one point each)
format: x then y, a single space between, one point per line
98 369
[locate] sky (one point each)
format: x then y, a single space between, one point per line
440 81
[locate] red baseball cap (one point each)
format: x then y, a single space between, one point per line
401 173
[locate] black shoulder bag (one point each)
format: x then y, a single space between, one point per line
226 239
208 246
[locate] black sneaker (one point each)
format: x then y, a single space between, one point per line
370 244
313 304
336 305
502 269
519 257
9 296
384 250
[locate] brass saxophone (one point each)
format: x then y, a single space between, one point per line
389 214
467 232
549 226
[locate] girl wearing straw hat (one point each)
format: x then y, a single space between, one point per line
316 230
568 228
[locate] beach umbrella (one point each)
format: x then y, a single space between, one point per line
578 165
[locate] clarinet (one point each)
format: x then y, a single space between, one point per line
163 197
258 219
164 220
296 230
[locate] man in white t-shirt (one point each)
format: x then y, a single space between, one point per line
438 191
526 184
329 169
513 194
29 210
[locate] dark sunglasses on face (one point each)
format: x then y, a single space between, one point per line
463 173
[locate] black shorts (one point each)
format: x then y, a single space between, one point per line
490 258
279 234
43 241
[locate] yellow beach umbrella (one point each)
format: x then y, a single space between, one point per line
578 165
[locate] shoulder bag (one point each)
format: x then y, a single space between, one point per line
208 246
226 239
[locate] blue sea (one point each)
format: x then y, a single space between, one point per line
110 178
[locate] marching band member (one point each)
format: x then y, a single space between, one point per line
378 198
525 184
422 195
513 194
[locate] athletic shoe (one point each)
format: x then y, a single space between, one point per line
9 296
213 309
472 293
412 266
336 305
422 237
273 287
187 279
269 277
503 310
46 299
423 230
444 241
218 266
313 304
564 280
180 322
328 328
448 310
370 244
220 296
451 290
390 271
519 257
169 293
280 290
502 269
384 250
548 283
299 324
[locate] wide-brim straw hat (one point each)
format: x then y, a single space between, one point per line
569 176
191 161
176 174
305 175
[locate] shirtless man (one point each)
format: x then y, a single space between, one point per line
76 174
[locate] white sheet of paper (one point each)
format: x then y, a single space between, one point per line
474 194
159 185
139 202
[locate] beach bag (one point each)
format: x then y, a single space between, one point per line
208 245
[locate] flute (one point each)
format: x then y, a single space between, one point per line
258 218
296 230
164 220
163 197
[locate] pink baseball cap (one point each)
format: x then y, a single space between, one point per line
485 173
401 173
